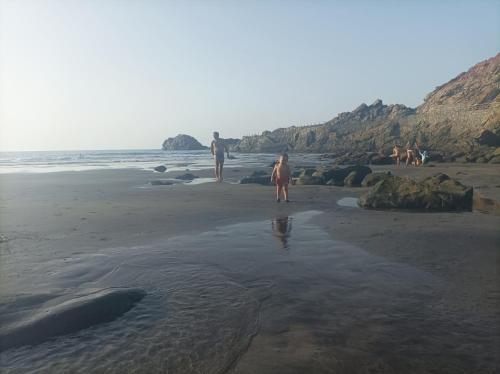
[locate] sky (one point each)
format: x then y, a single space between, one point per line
127 74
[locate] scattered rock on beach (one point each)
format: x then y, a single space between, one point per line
160 169
161 182
373 178
436 193
186 177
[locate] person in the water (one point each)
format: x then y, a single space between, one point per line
217 149
281 176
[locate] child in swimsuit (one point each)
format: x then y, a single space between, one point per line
281 176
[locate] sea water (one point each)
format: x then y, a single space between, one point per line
54 161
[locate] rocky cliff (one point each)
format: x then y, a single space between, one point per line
459 120
182 143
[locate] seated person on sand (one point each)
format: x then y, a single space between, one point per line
396 155
424 156
217 149
281 175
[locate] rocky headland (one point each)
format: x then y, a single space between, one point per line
182 142
458 121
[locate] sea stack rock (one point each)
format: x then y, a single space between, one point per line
182 142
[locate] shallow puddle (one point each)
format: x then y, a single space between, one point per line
350 202
274 296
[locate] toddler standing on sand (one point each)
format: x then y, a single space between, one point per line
281 176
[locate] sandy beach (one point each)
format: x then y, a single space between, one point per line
238 283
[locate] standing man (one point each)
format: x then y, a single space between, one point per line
217 148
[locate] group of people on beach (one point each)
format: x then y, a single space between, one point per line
281 175
413 155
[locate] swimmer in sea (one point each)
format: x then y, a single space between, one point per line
281 176
217 149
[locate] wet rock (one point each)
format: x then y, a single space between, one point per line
161 182
264 180
186 177
310 180
71 316
355 177
160 169
436 193
307 172
373 178
338 175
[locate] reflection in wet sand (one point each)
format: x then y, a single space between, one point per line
282 226
243 307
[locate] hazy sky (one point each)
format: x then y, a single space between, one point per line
130 73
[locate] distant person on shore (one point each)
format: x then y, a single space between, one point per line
396 155
410 155
217 149
281 176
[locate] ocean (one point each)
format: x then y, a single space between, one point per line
145 159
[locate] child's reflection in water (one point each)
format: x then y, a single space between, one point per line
281 230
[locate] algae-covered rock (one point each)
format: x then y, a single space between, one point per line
373 178
338 175
356 176
436 193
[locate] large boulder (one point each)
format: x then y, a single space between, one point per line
373 178
436 193
182 142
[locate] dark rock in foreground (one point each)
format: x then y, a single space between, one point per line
186 177
182 142
160 169
436 193
71 316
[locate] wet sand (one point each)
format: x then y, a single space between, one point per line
258 286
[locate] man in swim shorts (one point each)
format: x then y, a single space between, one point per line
217 149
